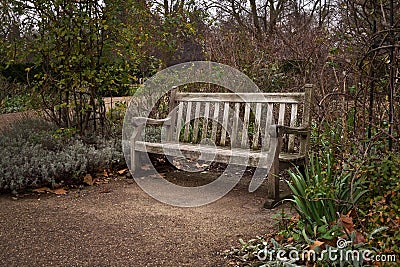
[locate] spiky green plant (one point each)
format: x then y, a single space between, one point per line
324 191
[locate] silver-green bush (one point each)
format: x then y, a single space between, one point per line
34 153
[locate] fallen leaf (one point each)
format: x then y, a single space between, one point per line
105 174
201 165
316 243
278 238
101 181
161 160
295 219
105 191
41 190
359 238
120 172
88 179
347 223
177 164
59 191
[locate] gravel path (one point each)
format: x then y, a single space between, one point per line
118 224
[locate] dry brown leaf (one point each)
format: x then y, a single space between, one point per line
316 243
102 181
59 191
88 179
106 190
201 165
120 172
359 238
177 164
105 173
278 238
347 223
295 219
41 190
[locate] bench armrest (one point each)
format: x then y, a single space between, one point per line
304 130
140 121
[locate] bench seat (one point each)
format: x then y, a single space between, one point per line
207 153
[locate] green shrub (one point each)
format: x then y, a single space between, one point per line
35 153
381 208
16 103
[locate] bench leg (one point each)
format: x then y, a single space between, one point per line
136 163
273 186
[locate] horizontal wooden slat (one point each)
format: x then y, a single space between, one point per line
222 154
290 98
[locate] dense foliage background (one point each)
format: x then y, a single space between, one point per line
64 56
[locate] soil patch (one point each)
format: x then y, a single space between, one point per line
118 224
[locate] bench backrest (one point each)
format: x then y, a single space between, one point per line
246 116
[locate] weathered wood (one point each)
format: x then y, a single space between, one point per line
249 110
235 126
134 153
245 125
172 105
281 117
196 122
288 98
268 123
179 121
273 178
223 154
214 126
205 120
293 119
187 121
138 121
224 124
257 124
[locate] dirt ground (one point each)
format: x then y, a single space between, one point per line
118 224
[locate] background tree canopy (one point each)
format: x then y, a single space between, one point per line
70 54
65 56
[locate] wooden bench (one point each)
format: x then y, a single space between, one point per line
241 125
